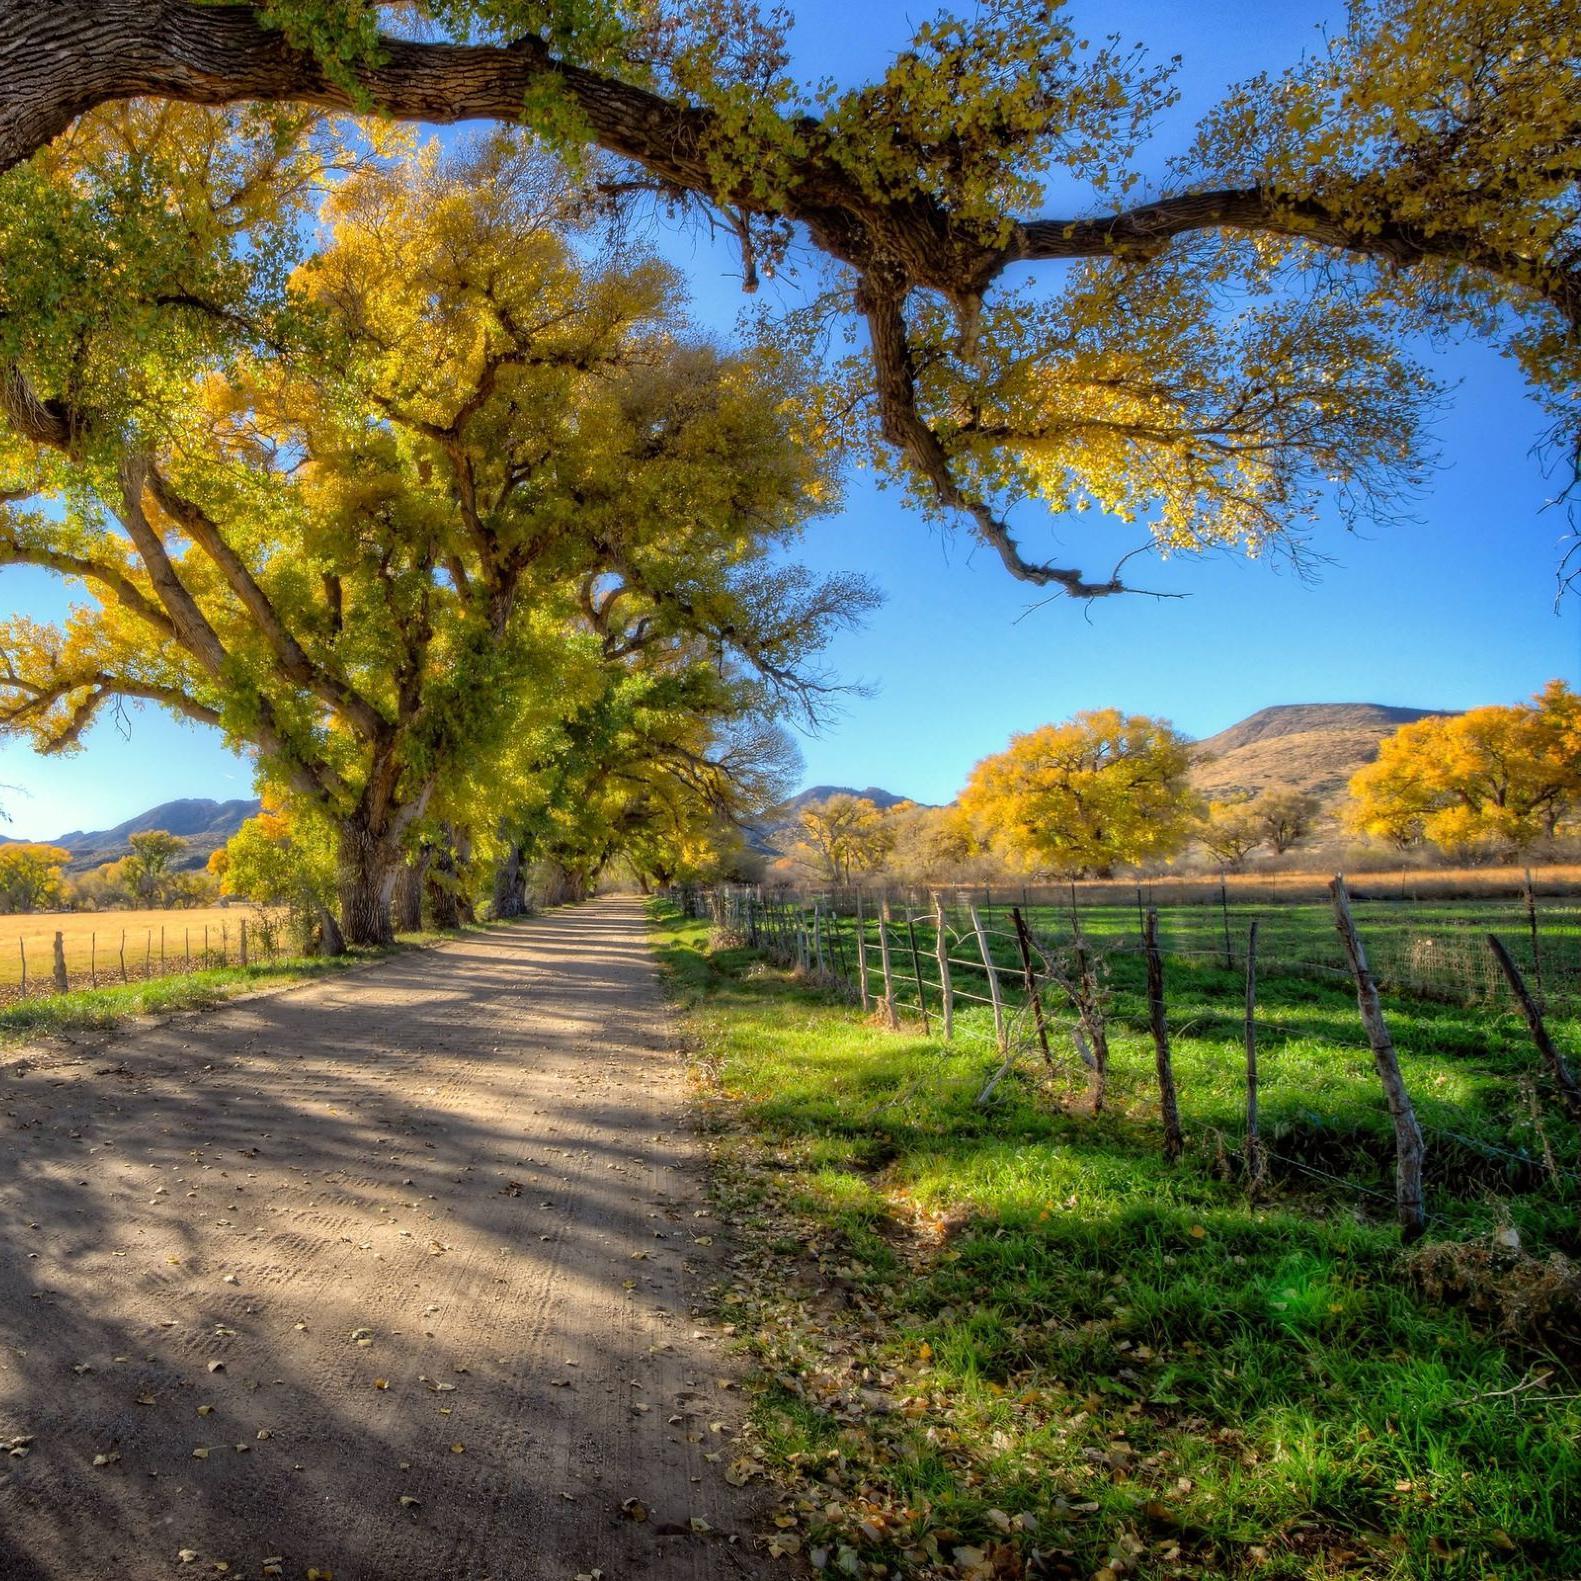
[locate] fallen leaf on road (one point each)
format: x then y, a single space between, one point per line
108 1459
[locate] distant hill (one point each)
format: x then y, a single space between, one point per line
205 825
817 793
1311 747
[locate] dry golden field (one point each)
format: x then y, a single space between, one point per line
93 941
1272 888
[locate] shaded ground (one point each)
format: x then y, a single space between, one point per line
431 1231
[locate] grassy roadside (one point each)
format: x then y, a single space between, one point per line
1012 1342
104 1009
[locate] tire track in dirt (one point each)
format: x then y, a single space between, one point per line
429 1232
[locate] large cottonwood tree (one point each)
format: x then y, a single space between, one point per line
1431 146
366 518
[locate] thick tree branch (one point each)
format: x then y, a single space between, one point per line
904 427
292 659
16 551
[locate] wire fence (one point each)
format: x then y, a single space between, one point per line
1031 971
66 960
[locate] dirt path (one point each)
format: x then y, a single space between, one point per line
432 1231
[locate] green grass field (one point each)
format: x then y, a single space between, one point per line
1010 1340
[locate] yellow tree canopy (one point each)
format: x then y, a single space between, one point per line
31 875
1211 355
1493 780
1101 791
841 837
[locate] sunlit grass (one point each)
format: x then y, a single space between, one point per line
1150 1369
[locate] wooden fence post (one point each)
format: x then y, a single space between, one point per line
1034 997
62 982
21 944
1408 1145
243 944
861 955
1174 1141
123 955
941 953
1089 1012
993 977
1254 1144
884 962
1224 913
1531 925
1564 1079
916 972
93 958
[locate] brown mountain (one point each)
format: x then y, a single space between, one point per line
205 825
1312 747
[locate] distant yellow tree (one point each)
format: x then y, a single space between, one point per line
1101 791
1231 830
1492 781
30 875
1287 816
841 837
928 844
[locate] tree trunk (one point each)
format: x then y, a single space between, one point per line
409 892
510 883
330 941
364 881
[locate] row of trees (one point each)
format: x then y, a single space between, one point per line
1106 791
1101 792
33 877
451 522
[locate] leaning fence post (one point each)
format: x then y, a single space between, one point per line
1254 1144
1564 1080
62 982
993 977
1408 1145
1174 1141
1024 945
941 951
883 956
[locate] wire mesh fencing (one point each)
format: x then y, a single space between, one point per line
1031 974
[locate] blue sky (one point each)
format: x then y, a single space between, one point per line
1452 609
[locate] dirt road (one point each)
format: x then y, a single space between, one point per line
391 1277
